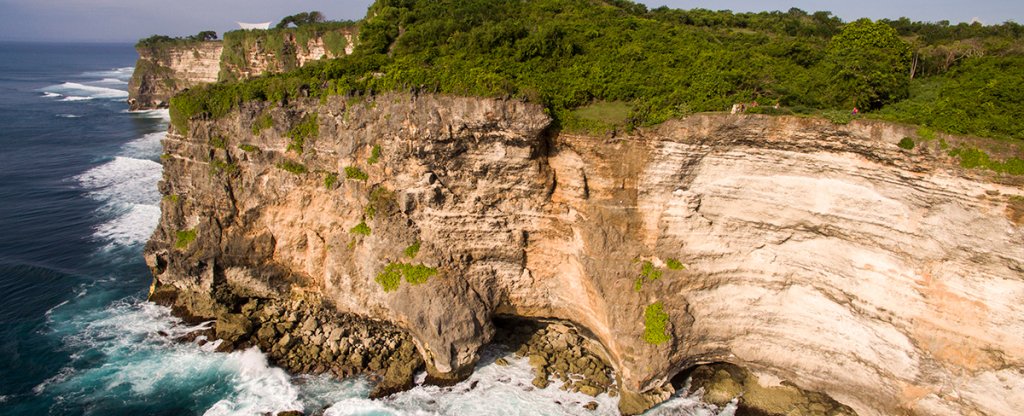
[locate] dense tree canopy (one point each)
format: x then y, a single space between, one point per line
868 66
657 64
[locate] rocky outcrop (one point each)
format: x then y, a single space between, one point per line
820 255
252 53
165 69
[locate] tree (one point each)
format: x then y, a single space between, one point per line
205 35
868 66
300 19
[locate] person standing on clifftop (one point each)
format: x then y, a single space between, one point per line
855 112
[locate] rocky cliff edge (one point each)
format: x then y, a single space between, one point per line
812 254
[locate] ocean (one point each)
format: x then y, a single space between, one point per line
78 200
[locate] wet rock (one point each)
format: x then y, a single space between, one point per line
590 406
724 382
540 382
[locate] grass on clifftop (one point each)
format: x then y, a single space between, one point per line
588 62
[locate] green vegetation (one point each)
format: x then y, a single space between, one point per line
412 250
166 156
185 238
867 64
161 40
330 180
361 229
674 264
293 167
647 273
982 96
301 19
599 117
588 62
906 143
389 279
838 116
656 324
218 142
248 148
263 122
352 172
335 42
218 167
925 134
283 43
303 130
374 155
415 274
171 198
972 158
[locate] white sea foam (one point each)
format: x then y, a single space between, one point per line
145 147
127 185
124 180
162 114
120 74
132 227
112 81
505 390
76 98
68 115
81 91
258 388
48 94
142 359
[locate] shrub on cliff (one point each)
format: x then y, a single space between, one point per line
656 324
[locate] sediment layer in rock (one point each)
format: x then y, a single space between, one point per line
819 254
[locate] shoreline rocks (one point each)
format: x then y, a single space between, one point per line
305 336
557 351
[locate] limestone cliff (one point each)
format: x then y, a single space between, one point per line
816 254
163 70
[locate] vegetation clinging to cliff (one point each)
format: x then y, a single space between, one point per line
656 324
283 42
415 274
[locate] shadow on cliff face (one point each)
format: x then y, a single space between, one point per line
723 383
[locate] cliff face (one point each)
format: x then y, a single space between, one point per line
164 70
817 254
252 53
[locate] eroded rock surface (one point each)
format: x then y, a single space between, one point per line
162 71
821 255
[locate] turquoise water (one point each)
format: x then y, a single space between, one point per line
78 200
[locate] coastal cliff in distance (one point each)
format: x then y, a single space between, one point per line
166 68
392 232
163 70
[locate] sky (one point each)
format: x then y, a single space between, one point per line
130 20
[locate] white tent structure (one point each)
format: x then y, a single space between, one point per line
254 26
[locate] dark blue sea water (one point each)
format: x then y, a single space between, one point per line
78 200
